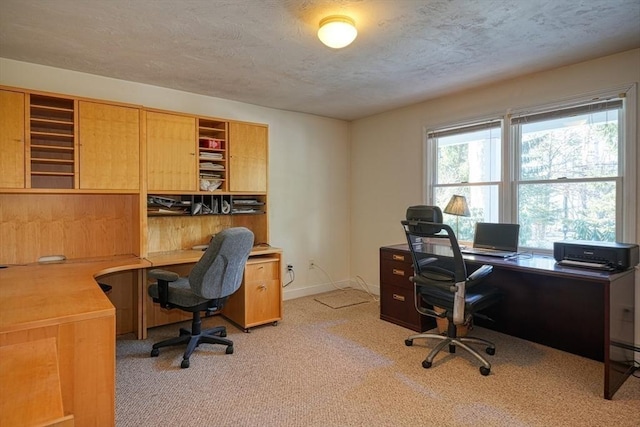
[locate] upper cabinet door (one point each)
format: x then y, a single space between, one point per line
171 152
12 143
109 144
248 157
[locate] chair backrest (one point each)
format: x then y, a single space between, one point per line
426 222
219 272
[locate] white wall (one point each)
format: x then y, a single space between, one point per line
308 164
387 149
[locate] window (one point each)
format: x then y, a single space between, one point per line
469 163
569 174
559 172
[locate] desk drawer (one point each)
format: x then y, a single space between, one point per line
396 273
397 306
396 256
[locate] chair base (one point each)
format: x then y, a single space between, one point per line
454 342
194 338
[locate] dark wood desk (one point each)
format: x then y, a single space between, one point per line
570 309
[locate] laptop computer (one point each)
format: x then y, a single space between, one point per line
495 239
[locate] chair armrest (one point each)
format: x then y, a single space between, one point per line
445 285
167 276
163 278
480 273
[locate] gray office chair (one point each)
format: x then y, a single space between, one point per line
212 280
440 280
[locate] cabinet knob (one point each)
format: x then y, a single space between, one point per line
263 287
398 272
398 257
398 297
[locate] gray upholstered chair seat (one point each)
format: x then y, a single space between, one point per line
180 294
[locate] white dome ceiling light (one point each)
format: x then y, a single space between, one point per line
337 31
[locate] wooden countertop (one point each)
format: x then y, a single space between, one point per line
160 259
37 295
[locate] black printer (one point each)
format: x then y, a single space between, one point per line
596 255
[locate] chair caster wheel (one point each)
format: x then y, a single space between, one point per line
184 364
426 364
229 349
155 352
408 343
485 371
490 351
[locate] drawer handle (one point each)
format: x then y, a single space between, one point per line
263 287
398 257
398 297
398 272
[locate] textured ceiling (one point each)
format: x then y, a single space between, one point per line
266 52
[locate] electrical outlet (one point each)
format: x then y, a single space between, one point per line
289 267
312 264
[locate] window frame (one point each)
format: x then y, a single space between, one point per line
626 227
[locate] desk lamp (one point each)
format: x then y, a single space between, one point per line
457 206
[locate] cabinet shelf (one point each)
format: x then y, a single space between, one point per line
52 161
51 108
52 141
212 154
49 173
42 147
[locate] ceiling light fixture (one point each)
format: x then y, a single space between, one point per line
337 31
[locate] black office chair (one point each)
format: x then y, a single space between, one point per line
212 280
441 280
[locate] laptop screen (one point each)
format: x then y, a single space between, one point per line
498 236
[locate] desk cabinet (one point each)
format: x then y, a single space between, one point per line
397 292
259 299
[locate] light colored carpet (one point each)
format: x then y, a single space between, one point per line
325 367
343 298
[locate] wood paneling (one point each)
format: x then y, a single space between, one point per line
23 401
183 232
74 225
123 296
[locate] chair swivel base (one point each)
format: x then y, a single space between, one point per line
485 369
210 336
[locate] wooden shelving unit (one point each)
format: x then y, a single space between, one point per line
212 154
52 142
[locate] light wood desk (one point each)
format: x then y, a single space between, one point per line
63 302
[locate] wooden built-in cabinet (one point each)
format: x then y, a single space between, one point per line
79 177
12 140
171 152
76 180
109 146
248 157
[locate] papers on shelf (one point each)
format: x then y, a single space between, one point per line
212 156
211 166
